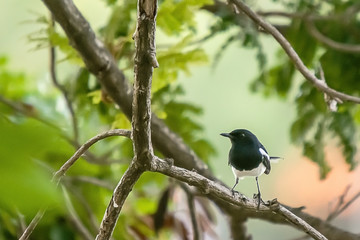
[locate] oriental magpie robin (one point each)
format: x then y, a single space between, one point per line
247 157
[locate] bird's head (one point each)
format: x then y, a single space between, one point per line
240 136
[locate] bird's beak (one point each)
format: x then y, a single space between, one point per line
226 135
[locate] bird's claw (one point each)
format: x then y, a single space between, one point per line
233 192
258 197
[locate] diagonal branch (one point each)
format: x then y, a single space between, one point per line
293 55
210 188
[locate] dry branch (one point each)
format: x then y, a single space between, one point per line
86 146
208 187
145 61
293 55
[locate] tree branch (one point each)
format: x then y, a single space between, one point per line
341 47
145 61
210 188
74 218
293 55
86 146
34 222
62 88
192 211
118 198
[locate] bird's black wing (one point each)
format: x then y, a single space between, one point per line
265 159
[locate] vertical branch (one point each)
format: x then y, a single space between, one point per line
192 210
145 61
62 88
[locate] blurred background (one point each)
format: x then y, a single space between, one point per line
222 86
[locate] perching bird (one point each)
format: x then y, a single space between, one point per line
247 157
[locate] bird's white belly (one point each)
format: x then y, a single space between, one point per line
253 172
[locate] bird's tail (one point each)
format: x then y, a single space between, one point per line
275 159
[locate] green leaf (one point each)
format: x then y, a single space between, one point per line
121 121
342 125
173 16
95 96
314 150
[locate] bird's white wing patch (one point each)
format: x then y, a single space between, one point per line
264 153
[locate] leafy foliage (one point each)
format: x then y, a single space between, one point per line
313 120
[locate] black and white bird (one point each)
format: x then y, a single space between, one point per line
247 157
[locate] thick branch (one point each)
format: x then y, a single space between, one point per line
145 61
216 190
120 194
293 55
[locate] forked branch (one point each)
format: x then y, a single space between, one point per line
293 55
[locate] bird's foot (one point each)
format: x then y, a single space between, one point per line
233 192
273 204
258 196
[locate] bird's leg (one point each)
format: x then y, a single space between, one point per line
259 194
236 182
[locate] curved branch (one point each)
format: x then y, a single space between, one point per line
341 47
86 146
293 55
216 190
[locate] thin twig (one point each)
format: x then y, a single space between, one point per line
92 180
191 205
341 47
62 88
74 218
293 55
92 218
342 205
86 146
34 222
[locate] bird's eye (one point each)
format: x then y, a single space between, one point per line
243 135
